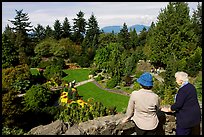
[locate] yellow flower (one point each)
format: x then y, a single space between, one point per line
81 102
63 97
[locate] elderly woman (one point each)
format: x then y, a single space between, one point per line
142 107
186 107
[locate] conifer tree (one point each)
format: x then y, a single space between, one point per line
22 42
79 28
124 37
39 32
57 30
173 35
66 28
48 32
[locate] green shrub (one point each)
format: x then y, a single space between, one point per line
44 63
169 95
198 85
54 72
112 82
136 86
75 113
12 131
37 97
11 75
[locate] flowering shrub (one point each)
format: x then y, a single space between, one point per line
77 110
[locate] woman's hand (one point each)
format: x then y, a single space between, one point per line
124 120
166 109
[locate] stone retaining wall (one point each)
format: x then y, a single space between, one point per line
107 125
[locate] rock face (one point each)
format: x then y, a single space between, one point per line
108 125
54 128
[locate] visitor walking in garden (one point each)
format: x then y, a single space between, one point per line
143 106
186 107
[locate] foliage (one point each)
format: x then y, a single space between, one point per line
133 38
54 72
21 22
11 75
11 108
79 28
12 131
124 37
37 97
198 86
197 23
158 88
66 28
43 49
9 53
21 85
172 33
75 113
57 30
169 96
112 82
48 32
136 86
92 34
194 62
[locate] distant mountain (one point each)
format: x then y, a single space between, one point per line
116 29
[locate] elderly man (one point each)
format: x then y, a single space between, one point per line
186 107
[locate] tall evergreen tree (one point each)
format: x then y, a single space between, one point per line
92 32
173 34
133 38
39 32
142 37
90 42
66 28
79 28
124 37
57 30
21 27
197 23
21 23
9 53
48 32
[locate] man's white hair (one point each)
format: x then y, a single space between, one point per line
182 76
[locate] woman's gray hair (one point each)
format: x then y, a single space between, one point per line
182 75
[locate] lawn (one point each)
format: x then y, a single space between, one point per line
106 98
76 74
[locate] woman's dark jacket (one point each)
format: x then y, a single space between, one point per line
188 113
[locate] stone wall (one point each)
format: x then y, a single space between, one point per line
107 125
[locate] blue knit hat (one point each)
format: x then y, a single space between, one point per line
145 79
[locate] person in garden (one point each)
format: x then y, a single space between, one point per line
143 106
186 107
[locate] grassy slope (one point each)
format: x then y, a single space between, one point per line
107 98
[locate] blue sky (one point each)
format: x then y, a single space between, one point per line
106 13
